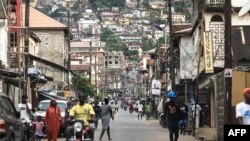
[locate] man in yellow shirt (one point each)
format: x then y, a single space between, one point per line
84 112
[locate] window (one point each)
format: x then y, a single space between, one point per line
216 26
110 62
116 62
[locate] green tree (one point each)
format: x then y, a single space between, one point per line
106 34
147 44
146 4
159 21
81 83
76 6
99 96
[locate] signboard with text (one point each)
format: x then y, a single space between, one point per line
208 52
156 87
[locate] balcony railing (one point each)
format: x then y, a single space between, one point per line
217 5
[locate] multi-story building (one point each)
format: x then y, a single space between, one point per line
114 59
109 15
135 46
113 73
130 38
84 52
51 57
123 21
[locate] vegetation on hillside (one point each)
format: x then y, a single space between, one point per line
102 4
113 43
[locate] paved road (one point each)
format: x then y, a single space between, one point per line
126 127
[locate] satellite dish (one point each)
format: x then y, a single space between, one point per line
244 9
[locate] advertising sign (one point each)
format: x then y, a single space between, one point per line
208 52
156 87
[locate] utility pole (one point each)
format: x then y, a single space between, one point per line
95 76
228 61
69 56
26 48
105 84
171 51
90 60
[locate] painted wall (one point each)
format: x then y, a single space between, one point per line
240 80
3 41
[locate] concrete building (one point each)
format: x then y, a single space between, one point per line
112 75
51 57
80 59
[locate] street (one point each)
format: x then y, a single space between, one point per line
126 127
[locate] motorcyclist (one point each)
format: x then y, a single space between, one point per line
83 112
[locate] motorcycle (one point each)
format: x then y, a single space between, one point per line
131 111
162 120
29 130
81 132
125 108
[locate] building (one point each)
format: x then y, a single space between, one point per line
51 56
112 75
109 15
84 52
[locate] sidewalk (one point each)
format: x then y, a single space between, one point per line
186 137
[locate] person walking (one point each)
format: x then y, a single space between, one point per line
196 109
116 107
39 128
26 115
113 110
105 114
25 109
184 118
97 110
52 120
147 110
243 109
172 108
140 110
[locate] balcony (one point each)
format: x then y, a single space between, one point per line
215 5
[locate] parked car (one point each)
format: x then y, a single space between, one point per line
11 127
44 104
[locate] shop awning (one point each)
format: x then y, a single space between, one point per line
49 96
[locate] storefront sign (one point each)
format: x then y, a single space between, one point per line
156 87
208 53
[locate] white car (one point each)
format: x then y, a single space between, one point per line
44 104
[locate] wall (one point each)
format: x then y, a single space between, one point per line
53 47
3 41
240 80
220 96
